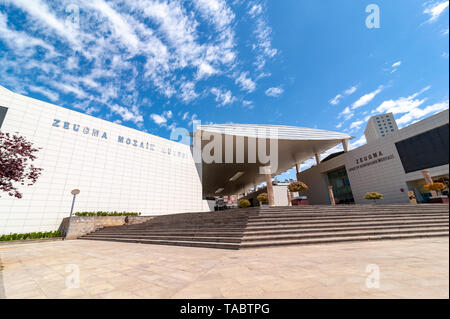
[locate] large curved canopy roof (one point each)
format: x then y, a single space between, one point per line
294 145
281 132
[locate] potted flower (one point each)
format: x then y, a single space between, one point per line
263 198
437 187
373 196
296 187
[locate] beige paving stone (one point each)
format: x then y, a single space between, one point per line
408 269
100 288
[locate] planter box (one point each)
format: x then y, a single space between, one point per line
439 200
299 202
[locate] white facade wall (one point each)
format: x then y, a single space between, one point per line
387 177
156 177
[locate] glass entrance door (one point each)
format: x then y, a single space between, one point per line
342 190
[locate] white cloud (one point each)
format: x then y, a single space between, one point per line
360 141
409 108
50 94
124 48
263 35
356 125
188 93
351 90
346 114
41 12
168 114
126 114
255 10
274 92
246 83
223 97
18 40
67 88
367 98
337 98
401 105
395 66
417 113
216 11
435 10
120 26
158 119
248 104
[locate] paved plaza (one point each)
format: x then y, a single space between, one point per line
407 269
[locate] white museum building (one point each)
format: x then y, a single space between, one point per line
122 169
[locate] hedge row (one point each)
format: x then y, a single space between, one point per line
106 214
27 236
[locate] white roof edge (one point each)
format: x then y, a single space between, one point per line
274 131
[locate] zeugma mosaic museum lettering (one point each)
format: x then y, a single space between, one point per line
102 135
371 159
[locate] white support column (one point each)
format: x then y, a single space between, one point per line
428 180
330 193
345 145
270 196
427 176
298 169
317 158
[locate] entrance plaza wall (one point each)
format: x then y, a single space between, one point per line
387 176
139 173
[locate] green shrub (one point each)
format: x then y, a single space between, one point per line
263 198
244 203
373 196
297 186
28 236
106 214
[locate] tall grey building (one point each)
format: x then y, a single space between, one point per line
380 126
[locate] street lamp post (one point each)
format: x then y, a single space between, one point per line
74 192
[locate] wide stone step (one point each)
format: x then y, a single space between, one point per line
175 232
275 236
347 224
358 209
347 233
205 244
330 240
265 227
281 221
275 227
306 230
341 221
331 217
216 238
238 233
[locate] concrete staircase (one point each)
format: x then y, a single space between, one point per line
277 226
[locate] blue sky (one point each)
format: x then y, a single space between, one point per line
155 65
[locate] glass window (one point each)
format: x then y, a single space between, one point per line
3 111
426 150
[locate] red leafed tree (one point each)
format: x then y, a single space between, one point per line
16 155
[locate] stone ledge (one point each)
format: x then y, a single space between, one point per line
83 225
